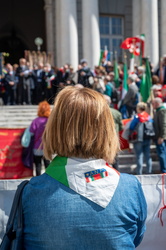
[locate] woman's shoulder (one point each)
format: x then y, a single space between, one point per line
35 120
129 177
39 120
129 181
130 185
41 179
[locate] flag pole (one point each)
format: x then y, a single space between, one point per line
111 56
116 57
125 58
132 63
105 54
132 58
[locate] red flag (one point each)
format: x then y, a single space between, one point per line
133 44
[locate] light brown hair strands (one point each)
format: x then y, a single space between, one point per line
80 125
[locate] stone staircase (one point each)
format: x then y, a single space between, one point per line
21 117
17 116
127 161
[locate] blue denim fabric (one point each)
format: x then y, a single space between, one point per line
161 151
143 149
56 217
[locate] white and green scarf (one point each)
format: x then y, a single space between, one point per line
94 179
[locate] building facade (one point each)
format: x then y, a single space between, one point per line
75 29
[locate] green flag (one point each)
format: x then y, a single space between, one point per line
101 56
125 77
116 74
146 83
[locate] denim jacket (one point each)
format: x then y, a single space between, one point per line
56 217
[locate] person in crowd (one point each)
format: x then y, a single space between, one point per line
69 82
117 116
72 74
15 66
160 131
48 78
38 75
156 87
163 94
142 142
108 86
30 83
36 129
109 67
131 98
98 85
84 73
22 73
81 198
10 80
63 74
156 81
141 75
3 90
161 71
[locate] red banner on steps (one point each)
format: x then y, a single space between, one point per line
124 144
11 166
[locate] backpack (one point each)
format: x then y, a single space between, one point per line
148 130
114 94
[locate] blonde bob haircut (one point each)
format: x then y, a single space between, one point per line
80 125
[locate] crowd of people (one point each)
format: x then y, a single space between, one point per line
21 84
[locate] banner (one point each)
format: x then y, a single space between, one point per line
154 187
124 144
11 166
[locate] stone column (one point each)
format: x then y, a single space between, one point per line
163 29
136 18
90 31
66 33
49 26
149 27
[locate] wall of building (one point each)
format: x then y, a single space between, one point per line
118 8
79 25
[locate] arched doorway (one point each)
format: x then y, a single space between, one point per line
14 46
25 21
